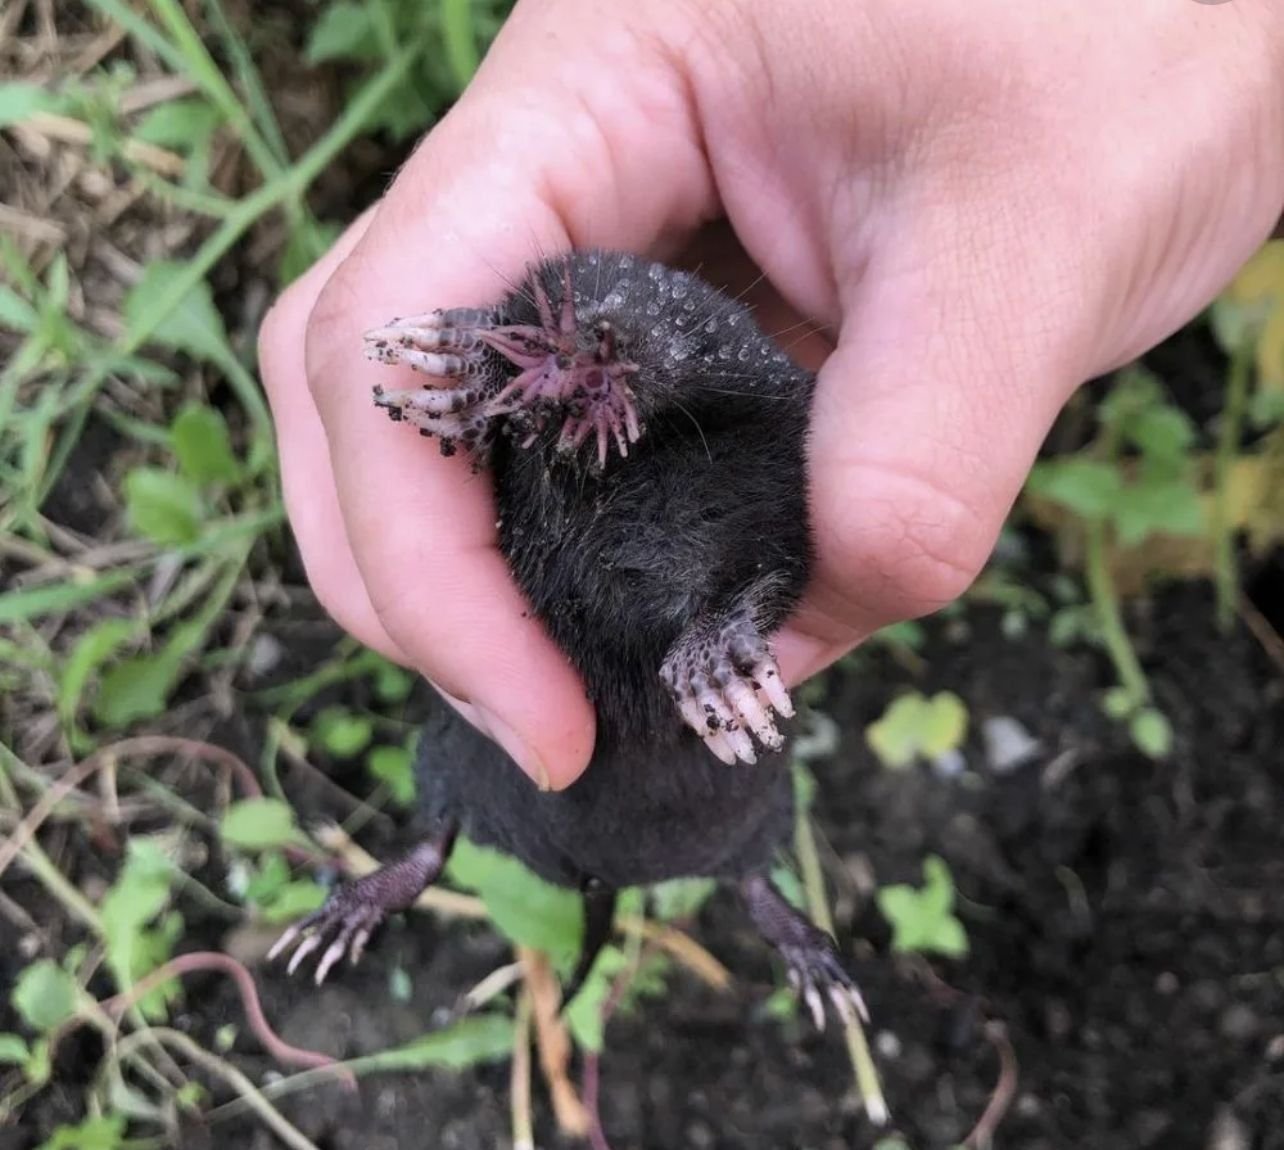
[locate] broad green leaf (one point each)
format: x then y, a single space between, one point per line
1118 702
394 767
584 1014
45 995
179 124
163 506
202 445
921 917
195 326
392 684
139 894
1171 507
523 907
1087 487
292 901
681 897
92 650
135 688
469 1042
343 31
306 243
1152 733
16 313
944 725
1163 431
20 101
13 1049
106 1133
258 824
894 737
340 732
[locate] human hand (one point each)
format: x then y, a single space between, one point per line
985 204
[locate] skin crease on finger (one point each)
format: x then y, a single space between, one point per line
973 283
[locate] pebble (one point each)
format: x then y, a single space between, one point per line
1008 745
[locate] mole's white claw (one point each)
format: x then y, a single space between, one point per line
812 997
717 742
767 675
308 945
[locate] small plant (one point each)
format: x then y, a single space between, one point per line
916 727
1136 478
922 918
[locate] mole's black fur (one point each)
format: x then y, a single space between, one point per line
683 555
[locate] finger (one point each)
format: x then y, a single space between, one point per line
306 478
497 183
923 433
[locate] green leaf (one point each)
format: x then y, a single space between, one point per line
340 732
20 101
15 312
394 767
1163 431
106 1133
681 897
894 737
293 900
164 507
343 31
916 727
584 1015
523 907
1266 409
202 445
469 1042
138 896
135 688
13 1049
93 649
944 725
306 243
258 824
45 995
183 125
392 684
1169 506
195 326
1152 733
1118 702
1087 487
921 917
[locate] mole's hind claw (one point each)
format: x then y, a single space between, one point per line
726 684
353 911
815 969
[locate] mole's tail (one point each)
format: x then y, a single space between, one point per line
599 915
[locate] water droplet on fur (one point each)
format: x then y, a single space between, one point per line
626 261
679 291
743 355
658 330
613 302
733 319
711 326
653 309
655 271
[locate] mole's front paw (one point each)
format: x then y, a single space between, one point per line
449 347
726 683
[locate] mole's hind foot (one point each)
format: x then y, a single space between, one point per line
726 683
353 911
815 970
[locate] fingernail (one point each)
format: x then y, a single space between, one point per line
517 750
